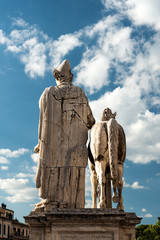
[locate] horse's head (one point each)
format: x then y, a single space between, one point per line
107 115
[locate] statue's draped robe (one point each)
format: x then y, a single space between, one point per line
65 117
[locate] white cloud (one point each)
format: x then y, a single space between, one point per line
141 126
35 157
143 140
148 215
14 49
155 100
92 72
124 100
138 80
118 44
7 183
24 175
3 38
88 187
113 47
19 22
126 185
35 49
146 70
144 210
34 169
18 190
141 12
88 203
136 185
59 48
35 59
101 27
4 168
144 12
23 195
20 36
3 160
13 154
114 4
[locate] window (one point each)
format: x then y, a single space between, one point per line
18 232
4 229
14 230
9 215
8 231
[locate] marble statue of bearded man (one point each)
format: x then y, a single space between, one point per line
65 117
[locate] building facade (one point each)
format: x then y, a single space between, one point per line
11 228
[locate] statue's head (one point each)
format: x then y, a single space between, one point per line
107 114
63 73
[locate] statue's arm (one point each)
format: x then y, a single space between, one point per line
36 148
38 174
43 107
90 118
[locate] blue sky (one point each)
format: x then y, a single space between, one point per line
114 51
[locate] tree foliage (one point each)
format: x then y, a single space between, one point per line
148 232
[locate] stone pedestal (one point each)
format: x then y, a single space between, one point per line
86 224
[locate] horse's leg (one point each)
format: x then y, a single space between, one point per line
115 195
94 188
112 127
108 191
94 184
100 169
120 187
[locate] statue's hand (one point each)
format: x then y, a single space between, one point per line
36 148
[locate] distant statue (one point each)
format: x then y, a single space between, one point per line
107 151
65 117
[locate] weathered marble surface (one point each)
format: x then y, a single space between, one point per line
107 154
65 117
85 224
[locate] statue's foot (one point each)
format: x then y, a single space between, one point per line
51 205
63 205
46 205
41 203
93 205
102 204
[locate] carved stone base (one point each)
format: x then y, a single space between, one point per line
86 224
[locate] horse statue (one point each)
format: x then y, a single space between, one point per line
107 151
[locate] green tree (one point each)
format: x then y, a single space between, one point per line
155 230
148 232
